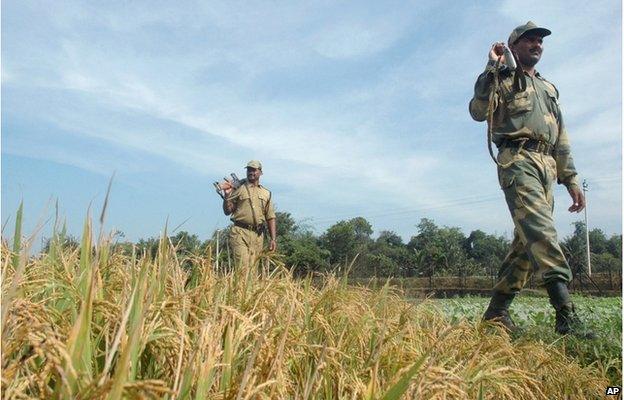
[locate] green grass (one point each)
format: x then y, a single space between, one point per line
537 318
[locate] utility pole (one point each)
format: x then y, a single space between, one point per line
217 252
585 189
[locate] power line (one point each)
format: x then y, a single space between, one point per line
469 200
448 204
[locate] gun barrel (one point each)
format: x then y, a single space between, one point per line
510 61
219 190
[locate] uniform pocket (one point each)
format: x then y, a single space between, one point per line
552 94
553 98
553 101
551 168
518 103
264 200
505 179
242 195
509 185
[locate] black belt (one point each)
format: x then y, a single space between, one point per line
537 146
249 227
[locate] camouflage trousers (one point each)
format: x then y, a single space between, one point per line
246 246
527 184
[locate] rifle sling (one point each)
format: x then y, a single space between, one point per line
253 213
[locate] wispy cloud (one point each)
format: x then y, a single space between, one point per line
352 108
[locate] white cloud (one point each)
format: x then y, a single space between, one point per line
347 39
403 127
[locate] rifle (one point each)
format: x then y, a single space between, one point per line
228 183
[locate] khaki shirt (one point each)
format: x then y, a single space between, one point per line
533 113
261 202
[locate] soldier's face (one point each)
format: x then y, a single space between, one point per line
529 49
253 174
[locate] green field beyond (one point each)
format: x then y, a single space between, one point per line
537 318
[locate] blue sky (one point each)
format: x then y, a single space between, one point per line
354 108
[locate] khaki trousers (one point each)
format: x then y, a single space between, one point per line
246 246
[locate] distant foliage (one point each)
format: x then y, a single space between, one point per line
433 251
300 246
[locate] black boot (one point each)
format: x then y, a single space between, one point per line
566 320
498 311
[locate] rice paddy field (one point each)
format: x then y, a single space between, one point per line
536 318
92 323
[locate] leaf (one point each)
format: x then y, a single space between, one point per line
398 389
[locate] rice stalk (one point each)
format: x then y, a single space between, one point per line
133 326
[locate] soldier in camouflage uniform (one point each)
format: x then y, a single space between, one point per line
533 152
250 206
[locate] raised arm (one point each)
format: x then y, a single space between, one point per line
228 202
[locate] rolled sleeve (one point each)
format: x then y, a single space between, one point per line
566 171
478 106
270 212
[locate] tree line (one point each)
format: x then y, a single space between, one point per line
432 251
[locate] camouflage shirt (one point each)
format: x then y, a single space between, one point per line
533 113
260 206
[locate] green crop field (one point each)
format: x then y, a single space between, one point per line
94 323
536 318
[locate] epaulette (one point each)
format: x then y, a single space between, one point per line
262 187
266 209
550 83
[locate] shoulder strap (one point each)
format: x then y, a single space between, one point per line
266 207
253 213
519 78
551 84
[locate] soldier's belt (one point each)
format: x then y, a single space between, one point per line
537 146
249 227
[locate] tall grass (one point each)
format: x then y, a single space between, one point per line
94 323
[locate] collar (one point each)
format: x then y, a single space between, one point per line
537 74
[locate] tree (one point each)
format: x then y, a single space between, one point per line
303 253
124 247
453 255
574 247
598 243
186 244
614 246
148 246
362 229
64 241
299 246
345 239
440 250
488 251
390 239
381 265
339 240
605 262
390 256
285 223
424 248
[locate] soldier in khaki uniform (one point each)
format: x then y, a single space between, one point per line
533 153
250 206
